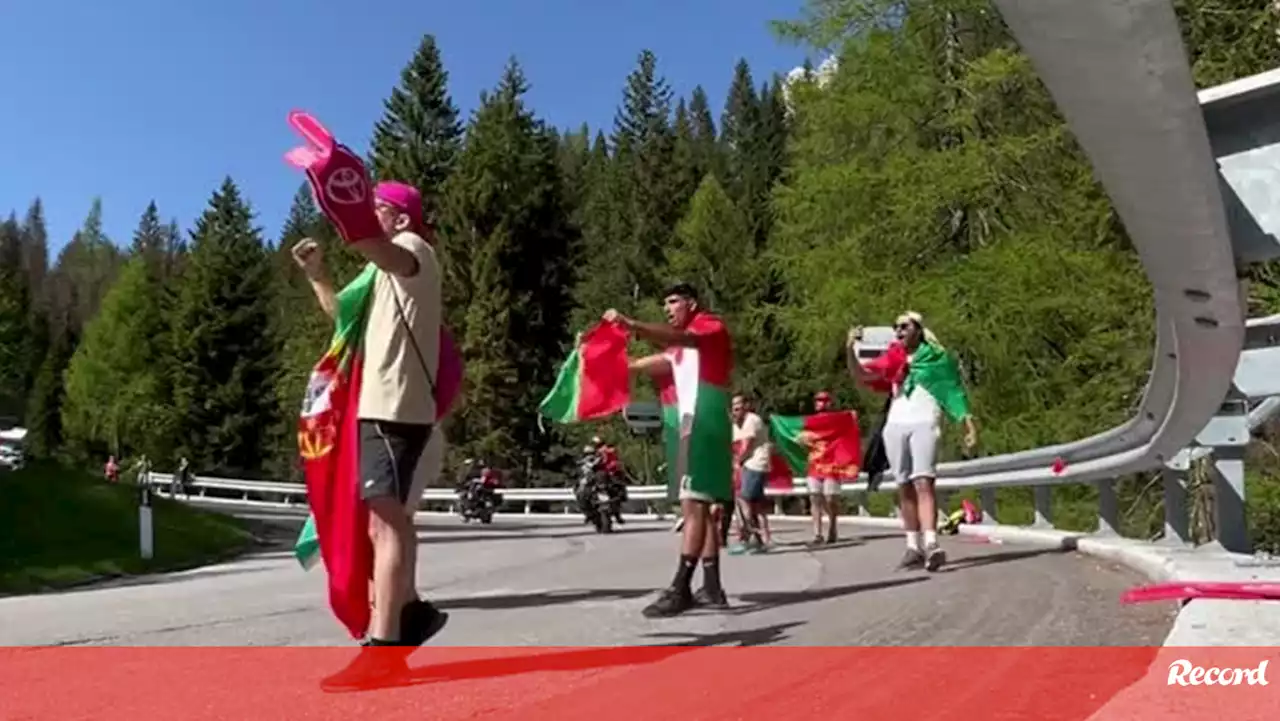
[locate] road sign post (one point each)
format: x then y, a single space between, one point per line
146 533
643 418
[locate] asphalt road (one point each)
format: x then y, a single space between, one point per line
552 582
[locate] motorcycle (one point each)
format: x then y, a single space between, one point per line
478 501
593 495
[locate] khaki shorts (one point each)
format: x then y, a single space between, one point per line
824 487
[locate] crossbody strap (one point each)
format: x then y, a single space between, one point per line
409 332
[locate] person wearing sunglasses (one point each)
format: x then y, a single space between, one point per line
924 384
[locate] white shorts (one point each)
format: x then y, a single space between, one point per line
912 449
428 470
824 487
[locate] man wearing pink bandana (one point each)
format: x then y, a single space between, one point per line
396 409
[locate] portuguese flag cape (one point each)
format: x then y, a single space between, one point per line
821 445
594 381
696 419
328 441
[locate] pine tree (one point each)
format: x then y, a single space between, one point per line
711 253
115 388
44 405
643 135
706 144
418 137
687 172
35 253
15 313
507 192
150 240
86 268
417 141
225 361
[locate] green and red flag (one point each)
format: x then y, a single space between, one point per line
595 380
696 418
328 442
821 445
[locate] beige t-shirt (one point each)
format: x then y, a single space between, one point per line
395 387
756 434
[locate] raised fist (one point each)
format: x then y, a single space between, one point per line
309 257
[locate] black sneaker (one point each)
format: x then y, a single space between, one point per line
419 621
711 599
375 667
671 602
934 557
911 559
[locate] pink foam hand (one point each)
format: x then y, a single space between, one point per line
1185 590
338 179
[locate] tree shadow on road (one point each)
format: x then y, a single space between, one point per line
540 599
583 659
809 547
763 636
757 602
432 535
989 559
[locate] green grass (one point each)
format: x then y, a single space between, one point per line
61 527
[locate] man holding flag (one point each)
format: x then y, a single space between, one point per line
824 493
396 404
692 374
924 384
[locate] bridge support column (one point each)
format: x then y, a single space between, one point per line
1175 506
1230 518
1108 509
1042 496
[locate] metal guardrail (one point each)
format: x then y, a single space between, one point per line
1118 71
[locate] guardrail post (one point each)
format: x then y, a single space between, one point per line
860 497
943 500
987 498
1176 527
1042 496
1108 508
528 507
1228 499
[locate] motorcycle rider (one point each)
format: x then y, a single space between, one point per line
475 481
616 485
588 466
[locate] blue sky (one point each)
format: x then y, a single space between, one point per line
139 99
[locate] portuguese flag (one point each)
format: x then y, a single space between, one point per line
328 441
696 418
821 445
595 381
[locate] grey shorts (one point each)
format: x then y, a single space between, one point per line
389 454
912 449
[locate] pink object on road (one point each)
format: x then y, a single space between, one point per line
1186 590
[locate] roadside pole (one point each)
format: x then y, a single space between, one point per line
146 533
